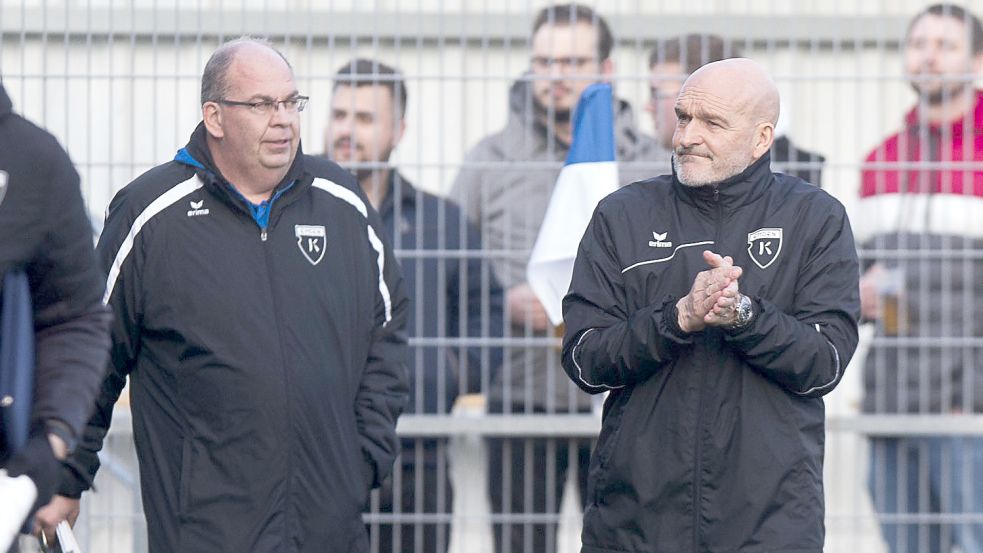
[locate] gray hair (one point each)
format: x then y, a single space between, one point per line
213 82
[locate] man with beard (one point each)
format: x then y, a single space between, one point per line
922 199
366 123
715 363
505 187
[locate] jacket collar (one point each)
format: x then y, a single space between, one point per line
6 106
197 155
913 119
405 192
733 192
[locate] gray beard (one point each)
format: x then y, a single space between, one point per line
735 170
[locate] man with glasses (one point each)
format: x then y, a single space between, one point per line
259 314
922 199
505 187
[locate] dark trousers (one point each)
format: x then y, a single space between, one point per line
414 489
526 476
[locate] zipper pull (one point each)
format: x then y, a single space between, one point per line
262 235
716 193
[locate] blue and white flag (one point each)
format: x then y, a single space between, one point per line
589 174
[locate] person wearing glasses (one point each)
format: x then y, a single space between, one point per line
259 314
504 187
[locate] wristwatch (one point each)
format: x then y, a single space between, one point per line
745 312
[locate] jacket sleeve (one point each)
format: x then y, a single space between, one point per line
806 350
121 259
71 324
479 292
384 389
606 345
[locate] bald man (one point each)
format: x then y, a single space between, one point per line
715 306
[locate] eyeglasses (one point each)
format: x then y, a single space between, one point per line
294 104
544 63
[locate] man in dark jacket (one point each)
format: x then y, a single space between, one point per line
713 429
45 236
259 315
455 295
676 58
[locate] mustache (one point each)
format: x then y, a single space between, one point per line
691 151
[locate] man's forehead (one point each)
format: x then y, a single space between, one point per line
703 100
363 96
931 26
256 77
558 40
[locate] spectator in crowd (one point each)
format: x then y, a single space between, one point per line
505 187
366 123
260 319
922 199
50 275
676 58
712 435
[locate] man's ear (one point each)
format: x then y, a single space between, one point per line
764 136
212 116
607 70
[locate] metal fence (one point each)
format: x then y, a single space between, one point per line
117 82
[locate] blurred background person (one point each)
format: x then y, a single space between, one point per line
922 200
452 296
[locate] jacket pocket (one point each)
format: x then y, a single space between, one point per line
607 442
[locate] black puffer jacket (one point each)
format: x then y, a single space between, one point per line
712 442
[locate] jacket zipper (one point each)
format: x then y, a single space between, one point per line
262 235
697 487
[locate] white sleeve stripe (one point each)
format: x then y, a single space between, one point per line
352 199
664 259
580 371
165 200
836 355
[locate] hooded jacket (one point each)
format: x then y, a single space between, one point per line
504 188
711 441
924 224
265 350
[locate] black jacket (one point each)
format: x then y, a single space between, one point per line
454 295
266 361
711 441
45 232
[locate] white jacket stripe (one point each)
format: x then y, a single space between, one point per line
162 202
352 199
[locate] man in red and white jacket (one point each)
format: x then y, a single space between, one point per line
921 232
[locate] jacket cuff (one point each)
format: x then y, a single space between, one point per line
670 322
74 479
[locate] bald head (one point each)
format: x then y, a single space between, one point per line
214 84
727 111
744 82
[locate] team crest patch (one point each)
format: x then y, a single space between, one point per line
764 245
311 239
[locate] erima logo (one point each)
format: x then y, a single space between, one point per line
659 241
196 208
